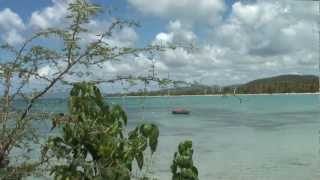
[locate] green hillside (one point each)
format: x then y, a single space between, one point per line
277 84
280 84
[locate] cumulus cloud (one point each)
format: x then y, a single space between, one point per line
264 29
190 11
55 15
11 25
50 16
177 34
9 20
257 39
252 40
13 37
123 37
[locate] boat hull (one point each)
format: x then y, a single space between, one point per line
185 112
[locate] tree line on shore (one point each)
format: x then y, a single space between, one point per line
277 84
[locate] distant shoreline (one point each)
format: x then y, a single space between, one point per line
220 95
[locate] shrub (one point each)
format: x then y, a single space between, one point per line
182 167
93 144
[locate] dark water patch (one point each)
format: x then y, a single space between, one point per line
297 163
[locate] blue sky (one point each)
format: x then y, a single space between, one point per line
150 26
236 41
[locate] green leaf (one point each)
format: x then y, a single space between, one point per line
99 134
139 159
182 167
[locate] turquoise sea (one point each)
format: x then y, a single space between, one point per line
267 137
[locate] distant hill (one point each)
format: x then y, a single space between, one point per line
279 84
195 89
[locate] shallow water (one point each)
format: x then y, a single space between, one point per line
272 137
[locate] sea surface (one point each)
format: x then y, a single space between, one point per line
267 137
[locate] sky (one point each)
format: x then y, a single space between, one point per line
235 41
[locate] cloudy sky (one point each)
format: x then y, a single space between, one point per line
235 41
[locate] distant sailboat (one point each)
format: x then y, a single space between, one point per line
235 95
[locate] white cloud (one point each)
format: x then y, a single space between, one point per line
55 15
9 20
256 39
177 34
123 37
187 10
10 26
163 38
13 37
265 28
50 16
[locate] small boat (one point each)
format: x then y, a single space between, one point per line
180 111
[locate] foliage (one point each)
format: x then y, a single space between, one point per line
21 68
279 84
93 143
182 167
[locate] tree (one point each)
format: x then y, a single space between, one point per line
93 143
183 167
22 65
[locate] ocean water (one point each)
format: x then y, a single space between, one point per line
269 137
